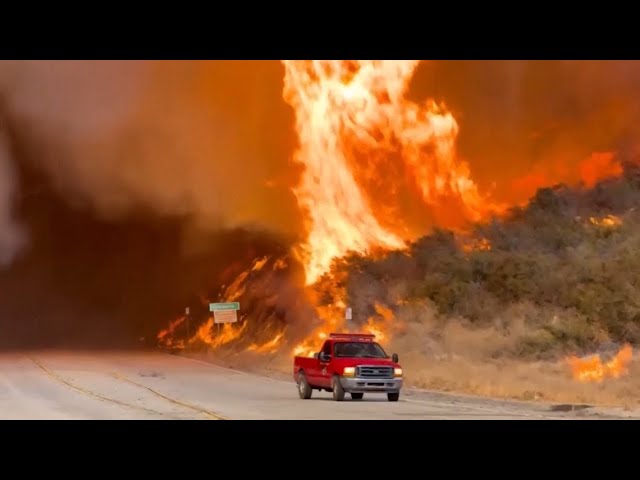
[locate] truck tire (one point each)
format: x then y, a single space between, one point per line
393 396
357 396
304 389
338 391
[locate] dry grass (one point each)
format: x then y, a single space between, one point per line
519 380
455 356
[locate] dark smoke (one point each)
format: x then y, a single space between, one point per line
90 282
136 185
193 139
12 236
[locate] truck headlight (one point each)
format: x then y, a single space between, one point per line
397 372
349 372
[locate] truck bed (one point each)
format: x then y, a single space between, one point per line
304 363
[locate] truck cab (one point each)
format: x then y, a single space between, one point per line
349 363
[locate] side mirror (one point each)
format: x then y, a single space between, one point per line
324 357
394 357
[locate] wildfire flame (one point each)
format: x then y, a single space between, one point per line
166 336
379 325
609 221
364 145
347 108
592 369
476 245
598 166
228 333
215 336
271 346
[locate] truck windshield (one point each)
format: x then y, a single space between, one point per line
359 349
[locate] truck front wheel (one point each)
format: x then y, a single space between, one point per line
304 389
393 397
338 391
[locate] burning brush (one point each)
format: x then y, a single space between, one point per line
273 302
278 313
594 369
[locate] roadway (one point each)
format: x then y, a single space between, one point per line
154 385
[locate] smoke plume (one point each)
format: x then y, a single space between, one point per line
136 184
174 138
12 236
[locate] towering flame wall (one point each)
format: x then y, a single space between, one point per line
352 121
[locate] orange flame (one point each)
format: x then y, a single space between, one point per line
271 346
592 369
313 343
215 336
598 166
348 107
228 333
476 245
380 326
610 221
171 328
166 337
280 264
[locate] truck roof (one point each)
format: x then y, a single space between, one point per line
352 337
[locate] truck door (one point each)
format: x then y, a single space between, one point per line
325 371
314 368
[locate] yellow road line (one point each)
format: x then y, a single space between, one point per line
89 393
205 412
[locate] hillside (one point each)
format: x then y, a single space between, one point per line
565 266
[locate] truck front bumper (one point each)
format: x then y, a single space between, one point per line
363 385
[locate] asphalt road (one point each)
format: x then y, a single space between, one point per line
149 385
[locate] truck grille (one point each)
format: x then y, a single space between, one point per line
374 372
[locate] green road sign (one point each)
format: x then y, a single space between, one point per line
217 307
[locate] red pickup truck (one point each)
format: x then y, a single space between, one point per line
349 363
